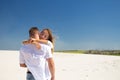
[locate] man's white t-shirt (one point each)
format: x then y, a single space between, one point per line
35 59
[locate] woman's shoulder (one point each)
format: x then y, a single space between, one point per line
50 44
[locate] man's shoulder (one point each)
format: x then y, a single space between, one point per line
27 46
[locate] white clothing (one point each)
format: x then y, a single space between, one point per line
50 44
47 71
35 59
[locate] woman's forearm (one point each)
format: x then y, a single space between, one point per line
43 41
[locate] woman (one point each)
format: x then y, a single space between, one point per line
46 34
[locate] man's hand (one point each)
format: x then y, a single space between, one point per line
23 65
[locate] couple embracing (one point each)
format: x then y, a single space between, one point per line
36 54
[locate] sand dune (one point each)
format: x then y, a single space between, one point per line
68 66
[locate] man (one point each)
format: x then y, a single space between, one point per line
34 58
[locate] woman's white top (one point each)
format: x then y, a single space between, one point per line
47 71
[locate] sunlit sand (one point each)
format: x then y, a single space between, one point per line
68 66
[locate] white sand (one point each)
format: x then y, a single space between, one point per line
68 67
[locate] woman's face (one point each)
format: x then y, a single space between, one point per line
44 35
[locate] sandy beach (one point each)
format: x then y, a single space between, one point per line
68 66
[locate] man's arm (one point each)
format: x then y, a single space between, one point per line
21 59
51 67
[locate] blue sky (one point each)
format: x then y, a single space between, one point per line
76 24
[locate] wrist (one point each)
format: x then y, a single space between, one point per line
53 78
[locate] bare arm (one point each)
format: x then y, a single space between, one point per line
42 41
26 42
51 67
32 41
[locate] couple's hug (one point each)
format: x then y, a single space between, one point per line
36 55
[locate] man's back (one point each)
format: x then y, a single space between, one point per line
35 59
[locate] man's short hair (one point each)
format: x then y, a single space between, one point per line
33 30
